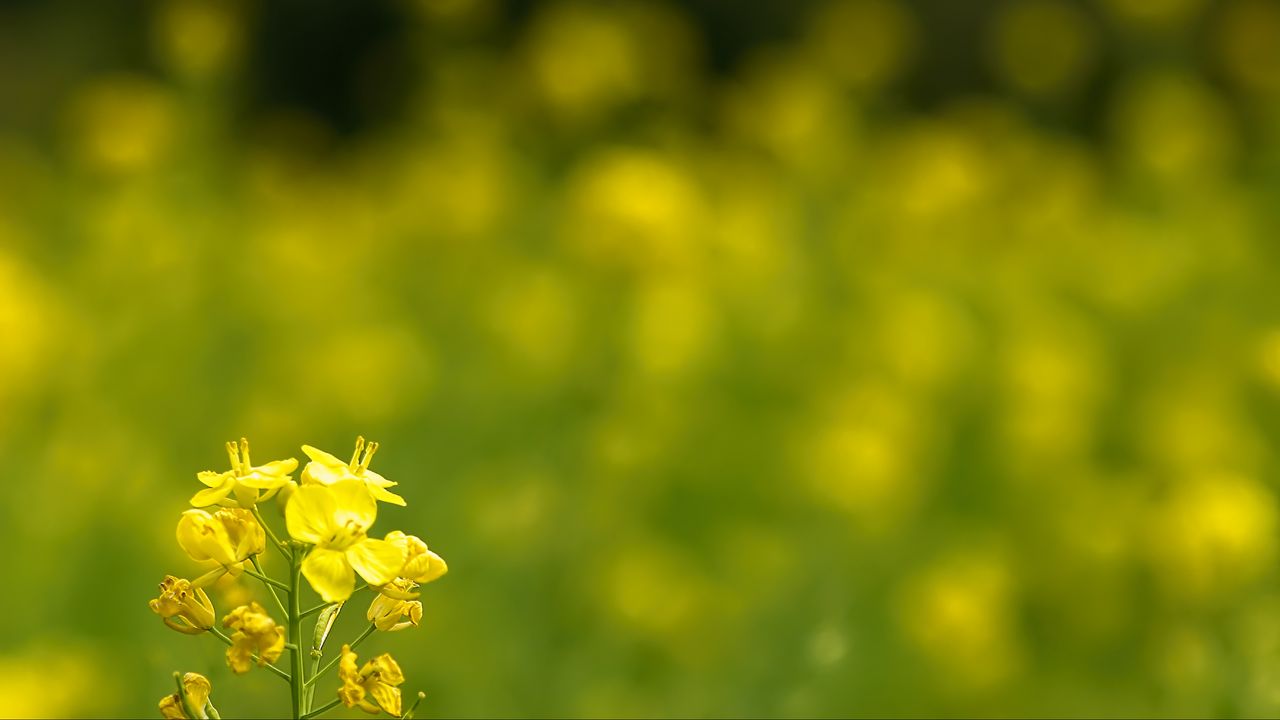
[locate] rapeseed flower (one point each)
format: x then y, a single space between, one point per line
227 537
197 687
336 519
184 608
421 565
378 679
243 484
325 469
255 632
387 608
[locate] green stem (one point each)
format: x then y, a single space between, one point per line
353 644
264 577
188 707
295 634
323 708
284 549
316 609
408 714
226 640
271 582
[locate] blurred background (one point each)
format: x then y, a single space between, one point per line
841 358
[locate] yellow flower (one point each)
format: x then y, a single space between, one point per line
325 469
421 565
243 481
179 601
171 707
228 537
255 631
197 688
335 518
378 678
386 609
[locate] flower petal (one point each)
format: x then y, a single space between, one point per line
278 467
211 478
375 479
385 496
309 514
386 696
322 457
377 561
354 503
211 495
329 574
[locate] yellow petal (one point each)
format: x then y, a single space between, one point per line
386 696
385 496
309 514
278 467
329 574
375 479
354 503
377 561
322 457
211 478
240 654
211 495
263 481
436 569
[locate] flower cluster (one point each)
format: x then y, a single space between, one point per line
328 514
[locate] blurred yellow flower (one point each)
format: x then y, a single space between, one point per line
197 687
184 608
255 632
335 518
228 537
325 469
378 678
243 480
387 608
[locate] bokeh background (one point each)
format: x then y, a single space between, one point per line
847 358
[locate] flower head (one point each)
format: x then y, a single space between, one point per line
197 688
378 679
336 519
386 609
325 469
227 537
255 632
184 608
243 484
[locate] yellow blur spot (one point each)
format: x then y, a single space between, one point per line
1043 47
868 457
535 319
672 329
197 37
1172 128
959 613
121 123
866 43
1212 534
634 209
1154 13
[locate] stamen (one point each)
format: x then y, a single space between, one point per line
355 459
368 455
244 452
234 453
